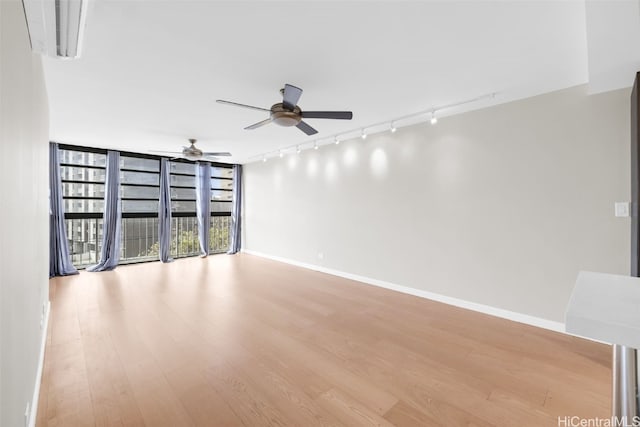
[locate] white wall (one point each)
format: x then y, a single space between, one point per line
501 206
24 226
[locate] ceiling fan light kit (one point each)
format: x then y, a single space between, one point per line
284 117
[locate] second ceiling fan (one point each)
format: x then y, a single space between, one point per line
287 112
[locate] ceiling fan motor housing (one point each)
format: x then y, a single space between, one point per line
192 153
285 117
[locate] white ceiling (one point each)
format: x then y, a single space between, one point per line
151 71
613 38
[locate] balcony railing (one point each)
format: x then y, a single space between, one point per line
85 240
139 239
219 234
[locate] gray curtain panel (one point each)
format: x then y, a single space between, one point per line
110 253
164 212
203 205
59 258
236 209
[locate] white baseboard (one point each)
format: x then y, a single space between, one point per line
36 389
481 308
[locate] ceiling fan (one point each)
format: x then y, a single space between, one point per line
287 113
194 153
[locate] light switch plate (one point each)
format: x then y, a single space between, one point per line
622 209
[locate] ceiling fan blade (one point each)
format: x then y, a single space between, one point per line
306 128
291 96
259 124
235 104
166 152
340 115
217 154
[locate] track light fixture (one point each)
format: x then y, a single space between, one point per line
377 127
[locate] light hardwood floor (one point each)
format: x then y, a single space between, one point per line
240 340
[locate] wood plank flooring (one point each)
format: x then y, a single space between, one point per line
244 341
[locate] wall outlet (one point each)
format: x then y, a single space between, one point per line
320 255
622 209
26 415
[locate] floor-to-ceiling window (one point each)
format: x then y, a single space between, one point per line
221 200
139 192
83 175
184 223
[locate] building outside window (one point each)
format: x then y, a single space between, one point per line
83 176
139 195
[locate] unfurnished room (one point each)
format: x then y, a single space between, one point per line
319 213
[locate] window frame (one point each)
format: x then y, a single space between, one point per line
149 214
